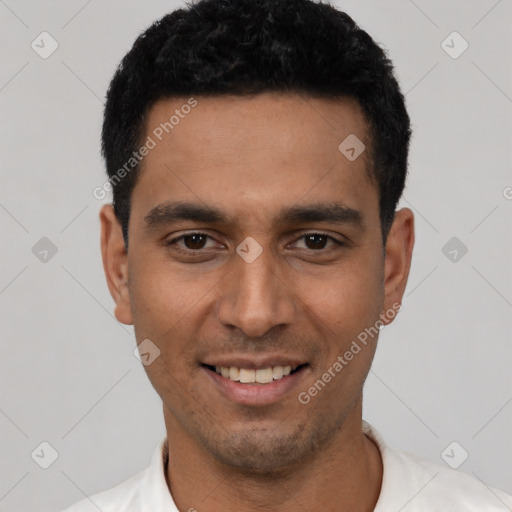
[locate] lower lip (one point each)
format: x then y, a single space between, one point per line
256 394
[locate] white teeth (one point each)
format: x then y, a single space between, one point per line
277 372
247 376
264 376
250 376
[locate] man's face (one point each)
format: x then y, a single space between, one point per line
297 293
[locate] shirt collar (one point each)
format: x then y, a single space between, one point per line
155 495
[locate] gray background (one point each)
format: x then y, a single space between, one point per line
68 374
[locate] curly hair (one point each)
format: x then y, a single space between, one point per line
247 47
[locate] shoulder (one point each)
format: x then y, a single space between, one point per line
413 484
430 486
124 497
145 491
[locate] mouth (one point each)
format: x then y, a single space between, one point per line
255 376
255 386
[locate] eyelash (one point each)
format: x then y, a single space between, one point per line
192 252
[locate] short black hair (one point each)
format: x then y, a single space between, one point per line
247 47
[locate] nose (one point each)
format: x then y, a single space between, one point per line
255 297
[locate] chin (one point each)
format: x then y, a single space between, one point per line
263 451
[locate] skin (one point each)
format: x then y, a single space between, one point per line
250 158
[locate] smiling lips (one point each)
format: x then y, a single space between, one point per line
255 381
252 376
255 370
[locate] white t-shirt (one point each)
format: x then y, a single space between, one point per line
409 484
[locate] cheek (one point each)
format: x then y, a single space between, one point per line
347 306
162 305
348 298
162 296
168 308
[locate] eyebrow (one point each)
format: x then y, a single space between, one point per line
169 212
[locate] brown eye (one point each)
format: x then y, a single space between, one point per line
193 244
316 241
195 241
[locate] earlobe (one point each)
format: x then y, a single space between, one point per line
115 263
398 255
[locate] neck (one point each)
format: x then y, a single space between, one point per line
344 476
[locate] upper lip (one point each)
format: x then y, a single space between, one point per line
254 362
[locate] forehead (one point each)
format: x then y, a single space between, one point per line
255 152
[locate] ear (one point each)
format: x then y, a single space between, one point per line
115 263
397 264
